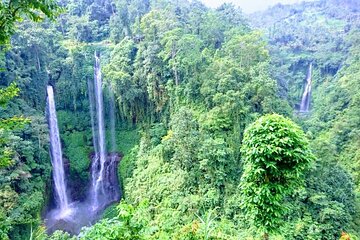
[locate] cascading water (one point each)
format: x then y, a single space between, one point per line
96 161
104 187
98 165
104 183
111 174
93 116
305 101
56 157
112 120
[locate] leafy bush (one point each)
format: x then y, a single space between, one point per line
275 153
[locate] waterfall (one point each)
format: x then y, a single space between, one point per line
305 101
98 166
56 155
95 163
111 170
112 120
104 184
92 115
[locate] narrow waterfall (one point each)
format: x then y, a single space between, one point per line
98 165
112 121
95 159
104 180
56 156
93 115
305 101
111 169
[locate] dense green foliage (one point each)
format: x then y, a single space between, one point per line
23 157
188 81
275 155
13 11
6 95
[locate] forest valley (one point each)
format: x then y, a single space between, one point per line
166 119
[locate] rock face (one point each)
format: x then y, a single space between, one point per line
111 187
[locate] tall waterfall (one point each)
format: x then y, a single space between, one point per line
93 115
98 166
305 101
111 168
112 121
95 163
56 155
104 181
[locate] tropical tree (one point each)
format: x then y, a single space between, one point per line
276 154
14 11
6 94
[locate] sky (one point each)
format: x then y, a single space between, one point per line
249 6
